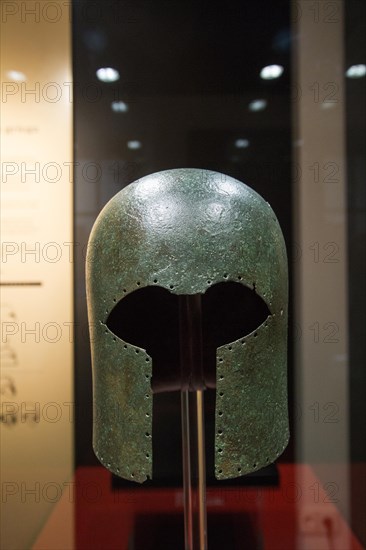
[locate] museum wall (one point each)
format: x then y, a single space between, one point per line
36 266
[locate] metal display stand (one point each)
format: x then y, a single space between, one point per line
193 427
194 471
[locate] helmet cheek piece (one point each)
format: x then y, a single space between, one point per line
186 232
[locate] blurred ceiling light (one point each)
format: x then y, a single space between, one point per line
356 71
18 76
270 72
242 143
257 105
119 107
134 144
107 74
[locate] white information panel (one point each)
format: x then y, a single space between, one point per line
36 267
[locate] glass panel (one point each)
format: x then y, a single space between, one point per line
266 94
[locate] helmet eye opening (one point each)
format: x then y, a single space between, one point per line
148 318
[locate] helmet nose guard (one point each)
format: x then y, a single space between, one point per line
185 231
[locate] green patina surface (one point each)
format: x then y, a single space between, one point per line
186 230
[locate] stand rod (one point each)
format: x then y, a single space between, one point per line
202 520
194 471
193 427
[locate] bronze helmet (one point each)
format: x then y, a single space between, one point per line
185 231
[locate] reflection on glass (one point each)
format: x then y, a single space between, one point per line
356 71
270 72
119 106
257 105
18 76
107 74
242 143
134 144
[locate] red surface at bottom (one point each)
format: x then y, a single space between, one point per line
105 519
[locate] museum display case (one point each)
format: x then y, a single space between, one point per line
98 95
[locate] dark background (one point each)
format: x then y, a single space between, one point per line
188 71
